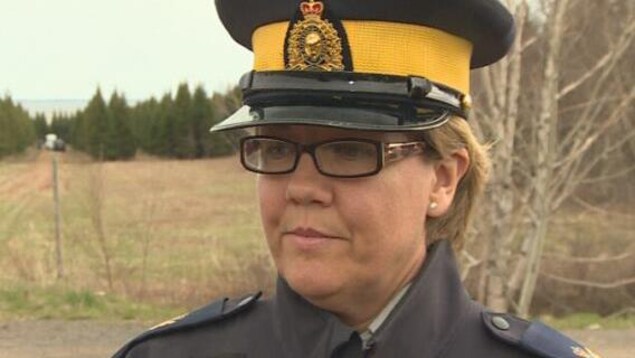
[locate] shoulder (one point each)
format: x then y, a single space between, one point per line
221 310
534 337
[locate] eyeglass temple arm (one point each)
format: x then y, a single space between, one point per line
395 151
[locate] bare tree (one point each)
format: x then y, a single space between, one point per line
545 156
548 108
497 119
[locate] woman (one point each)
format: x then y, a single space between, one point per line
355 121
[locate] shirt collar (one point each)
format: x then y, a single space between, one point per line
435 307
367 335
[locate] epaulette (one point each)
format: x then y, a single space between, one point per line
216 311
534 337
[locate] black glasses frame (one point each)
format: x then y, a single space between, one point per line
387 152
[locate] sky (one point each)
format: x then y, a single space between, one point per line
64 49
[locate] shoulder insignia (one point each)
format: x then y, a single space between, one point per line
505 327
214 312
534 337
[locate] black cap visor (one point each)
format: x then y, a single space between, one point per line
337 117
343 100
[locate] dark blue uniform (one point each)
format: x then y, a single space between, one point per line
435 318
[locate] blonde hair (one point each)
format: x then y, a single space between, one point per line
444 141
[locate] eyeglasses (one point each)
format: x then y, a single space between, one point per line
341 158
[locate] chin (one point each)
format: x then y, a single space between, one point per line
314 284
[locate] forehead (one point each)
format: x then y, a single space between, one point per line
309 134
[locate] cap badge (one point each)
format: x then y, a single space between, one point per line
313 42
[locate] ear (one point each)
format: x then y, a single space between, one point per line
449 172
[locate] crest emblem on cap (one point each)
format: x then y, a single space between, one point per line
313 42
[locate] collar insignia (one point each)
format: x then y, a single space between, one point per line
584 352
167 323
313 43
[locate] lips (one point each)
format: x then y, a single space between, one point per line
310 240
309 233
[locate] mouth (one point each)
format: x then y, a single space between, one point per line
309 239
309 233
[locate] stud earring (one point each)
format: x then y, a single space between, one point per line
433 205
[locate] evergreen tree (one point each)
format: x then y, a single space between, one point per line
96 124
40 126
144 120
164 142
7 145
79 133
119 142
173 128
201 115
26 129
184 134
61 126
227 103
17 131
224 105
213 144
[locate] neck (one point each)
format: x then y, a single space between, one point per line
359 309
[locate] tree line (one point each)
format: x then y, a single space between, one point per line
112 129
17 129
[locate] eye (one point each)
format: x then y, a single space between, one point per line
277 150
352 150
251 146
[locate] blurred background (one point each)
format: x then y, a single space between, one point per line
118 209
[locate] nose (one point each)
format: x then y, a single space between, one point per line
307 186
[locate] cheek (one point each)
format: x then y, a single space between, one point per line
395 207
384 212
271 203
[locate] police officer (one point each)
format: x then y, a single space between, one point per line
355 120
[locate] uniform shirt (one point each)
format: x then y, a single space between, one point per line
434 318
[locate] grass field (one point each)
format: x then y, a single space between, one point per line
166 232
149 238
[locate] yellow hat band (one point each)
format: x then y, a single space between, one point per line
380 47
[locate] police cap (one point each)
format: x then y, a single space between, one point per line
386 65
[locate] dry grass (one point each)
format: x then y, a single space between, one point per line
173 232
595 248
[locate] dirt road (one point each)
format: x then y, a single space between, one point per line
64 339
89 339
